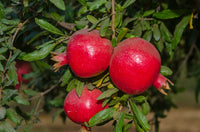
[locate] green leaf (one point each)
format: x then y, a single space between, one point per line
137 126
145 108
13 116
169 14
159 45
30 92
2 57
140 117
82 2
118 19
39 54
2 112
148 12
37 36
20 100
16 53
137 31
57 102
148 35
1 67
156 32
96 4
79 88
56 114
121 34
179 30
139 98
71 85
128 3
59 4
165 32
3 50
7 96
108 93
120 122
47 26
6 127
66 77
102 116
12 73
165 71
127 126
104 27
92 19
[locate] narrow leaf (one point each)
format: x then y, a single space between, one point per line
148 12
165 71
8 95
179 30
120 122
79 88
66 77
104 27
39 54
57 102
13 116
148 35
56 114
6 127
142 120
21 100
92 19
71 85
12 73
156 32
2 112
128 3
165 32
121 34
102 116
169 14
145 108
107 93
30 92
47 26
59 4
96 4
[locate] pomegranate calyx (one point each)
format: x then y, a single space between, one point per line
60 59
162 83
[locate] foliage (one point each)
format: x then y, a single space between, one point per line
31 29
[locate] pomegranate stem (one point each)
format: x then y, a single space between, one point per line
85 129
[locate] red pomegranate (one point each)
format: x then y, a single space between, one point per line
135 66
80 110
87 54
23 67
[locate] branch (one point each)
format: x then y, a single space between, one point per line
20 26
186 59
113 18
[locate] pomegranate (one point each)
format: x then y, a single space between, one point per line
23 67
80 110
87 54
135 66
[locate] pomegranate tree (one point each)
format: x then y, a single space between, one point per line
81 109
23 67
87 54
135 66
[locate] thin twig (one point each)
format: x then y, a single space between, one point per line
185 60
113 18
20 26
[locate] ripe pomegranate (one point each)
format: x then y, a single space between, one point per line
135 66
23 67
87 54
80 110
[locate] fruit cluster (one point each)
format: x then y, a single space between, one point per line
134 66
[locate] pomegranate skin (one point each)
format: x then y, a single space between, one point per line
23 67
80 110
134 66
88 54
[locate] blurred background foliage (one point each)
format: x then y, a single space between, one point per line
31 29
